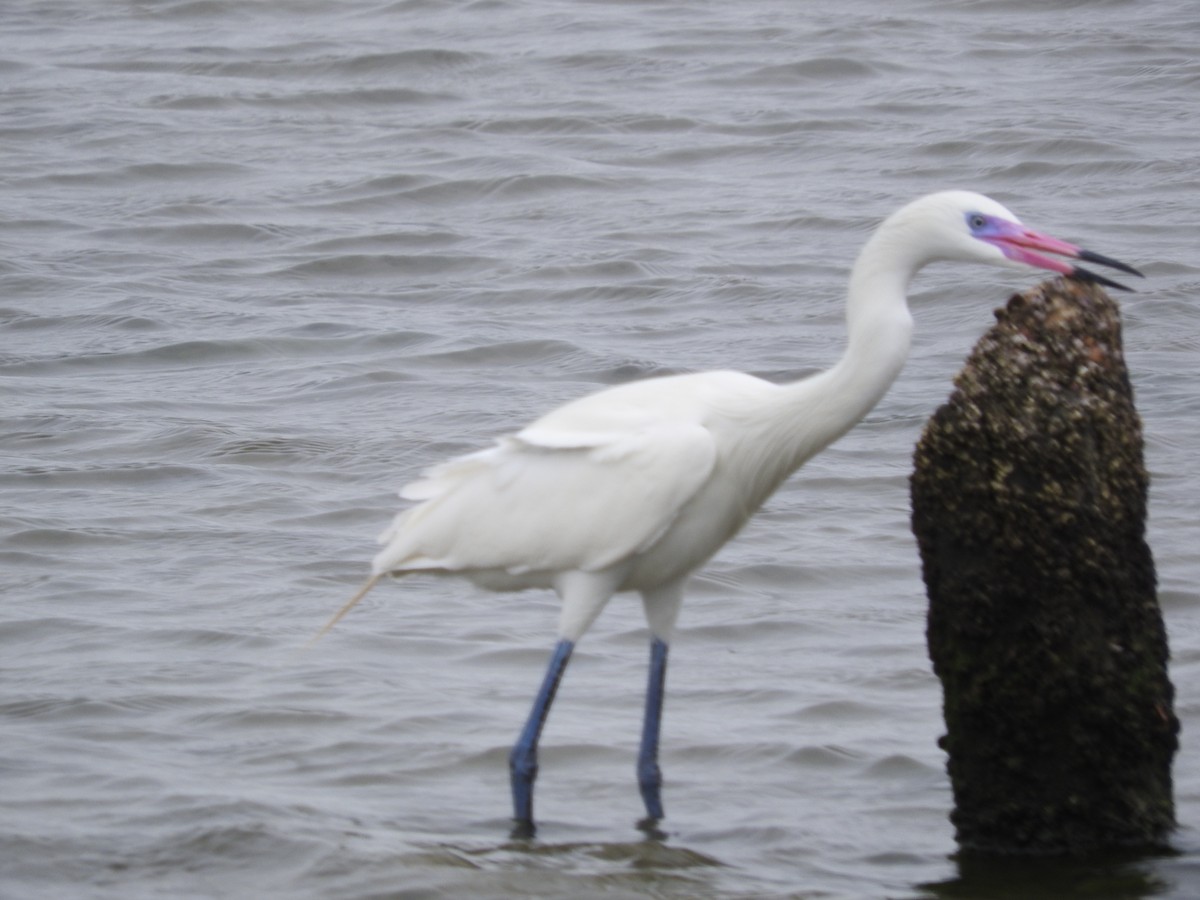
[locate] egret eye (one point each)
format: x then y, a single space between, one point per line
976 221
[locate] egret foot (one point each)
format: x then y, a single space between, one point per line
650 784
523 830
522 770
649 827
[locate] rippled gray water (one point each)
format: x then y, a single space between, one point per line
260 262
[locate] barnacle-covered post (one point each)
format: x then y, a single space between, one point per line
1029 508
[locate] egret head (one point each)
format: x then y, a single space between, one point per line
969 226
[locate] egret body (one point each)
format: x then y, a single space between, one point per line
635 487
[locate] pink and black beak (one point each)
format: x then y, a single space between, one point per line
1022 244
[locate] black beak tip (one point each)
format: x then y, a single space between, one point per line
1091 277
1089 256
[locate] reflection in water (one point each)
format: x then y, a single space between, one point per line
1112 876
624 868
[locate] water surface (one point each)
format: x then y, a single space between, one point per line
262 262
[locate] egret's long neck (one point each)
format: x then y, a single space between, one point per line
878 326
808 415
879 333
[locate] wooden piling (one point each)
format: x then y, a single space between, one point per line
1029 508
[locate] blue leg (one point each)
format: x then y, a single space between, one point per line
649 775
522 762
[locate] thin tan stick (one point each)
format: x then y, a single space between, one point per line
350 604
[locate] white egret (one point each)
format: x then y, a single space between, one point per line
634 487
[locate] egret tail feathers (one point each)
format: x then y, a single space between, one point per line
349 605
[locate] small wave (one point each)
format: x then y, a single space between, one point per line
522 353
819 70
391 266
139 174
408 62
213 234
898 766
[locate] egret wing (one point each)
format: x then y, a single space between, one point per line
550 500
